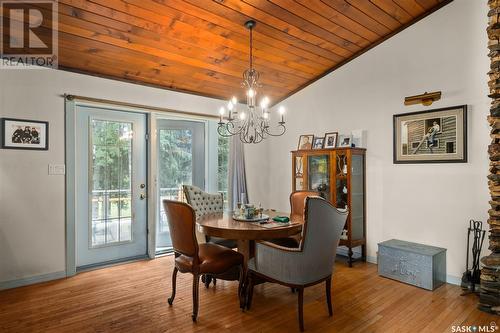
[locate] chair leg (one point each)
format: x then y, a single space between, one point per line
250 291
206 279
196 281
350 254
301 308
241 293
174 283
329 295
241 279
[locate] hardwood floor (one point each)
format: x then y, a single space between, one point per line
133 298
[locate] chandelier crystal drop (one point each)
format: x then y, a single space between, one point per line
251 124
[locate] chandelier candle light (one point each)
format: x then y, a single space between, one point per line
253 124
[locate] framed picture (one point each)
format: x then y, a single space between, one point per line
306 141
330 140
318 143
345 140
434 136
25 134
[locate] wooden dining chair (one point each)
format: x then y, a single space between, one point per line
194 258
310 263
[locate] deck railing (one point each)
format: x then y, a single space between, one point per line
111 200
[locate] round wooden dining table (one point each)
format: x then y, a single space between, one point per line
245 233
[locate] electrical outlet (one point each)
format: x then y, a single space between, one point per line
57 169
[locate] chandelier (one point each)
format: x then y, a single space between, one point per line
251 124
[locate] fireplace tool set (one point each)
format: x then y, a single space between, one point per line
472 276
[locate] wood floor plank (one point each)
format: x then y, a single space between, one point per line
133 298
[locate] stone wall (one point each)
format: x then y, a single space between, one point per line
489 299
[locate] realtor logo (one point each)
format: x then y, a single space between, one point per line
28 33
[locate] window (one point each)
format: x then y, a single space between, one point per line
222 167
190 152
175 166
111 168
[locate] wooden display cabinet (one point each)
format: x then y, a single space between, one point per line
339 175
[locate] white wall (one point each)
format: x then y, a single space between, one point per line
32 203
423 203
427 203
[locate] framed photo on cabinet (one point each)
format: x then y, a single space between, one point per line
345 140
305 142
330 140
318 143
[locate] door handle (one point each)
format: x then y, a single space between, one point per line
142 185
142 196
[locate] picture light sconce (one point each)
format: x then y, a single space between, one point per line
424 99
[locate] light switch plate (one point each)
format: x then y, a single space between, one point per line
57 169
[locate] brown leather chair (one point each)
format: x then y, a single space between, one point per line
194 258
297 207
298 204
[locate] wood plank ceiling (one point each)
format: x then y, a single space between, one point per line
201 46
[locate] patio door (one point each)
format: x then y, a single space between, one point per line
181 161
111 208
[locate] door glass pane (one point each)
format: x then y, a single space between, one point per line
175 169
98 232
111 191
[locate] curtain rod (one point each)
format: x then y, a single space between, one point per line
70 97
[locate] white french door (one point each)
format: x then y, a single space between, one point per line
181 161
111 175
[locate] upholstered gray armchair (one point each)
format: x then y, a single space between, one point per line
310 263
206 203
203 202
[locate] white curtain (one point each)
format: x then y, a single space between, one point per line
237 177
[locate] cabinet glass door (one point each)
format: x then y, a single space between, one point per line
357 196
341 186
319 174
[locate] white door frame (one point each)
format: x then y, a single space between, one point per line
153 208
70 152
152 167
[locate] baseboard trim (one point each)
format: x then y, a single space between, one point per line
32 280
453 280
371 260
110 263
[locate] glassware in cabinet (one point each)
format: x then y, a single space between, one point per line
319 174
